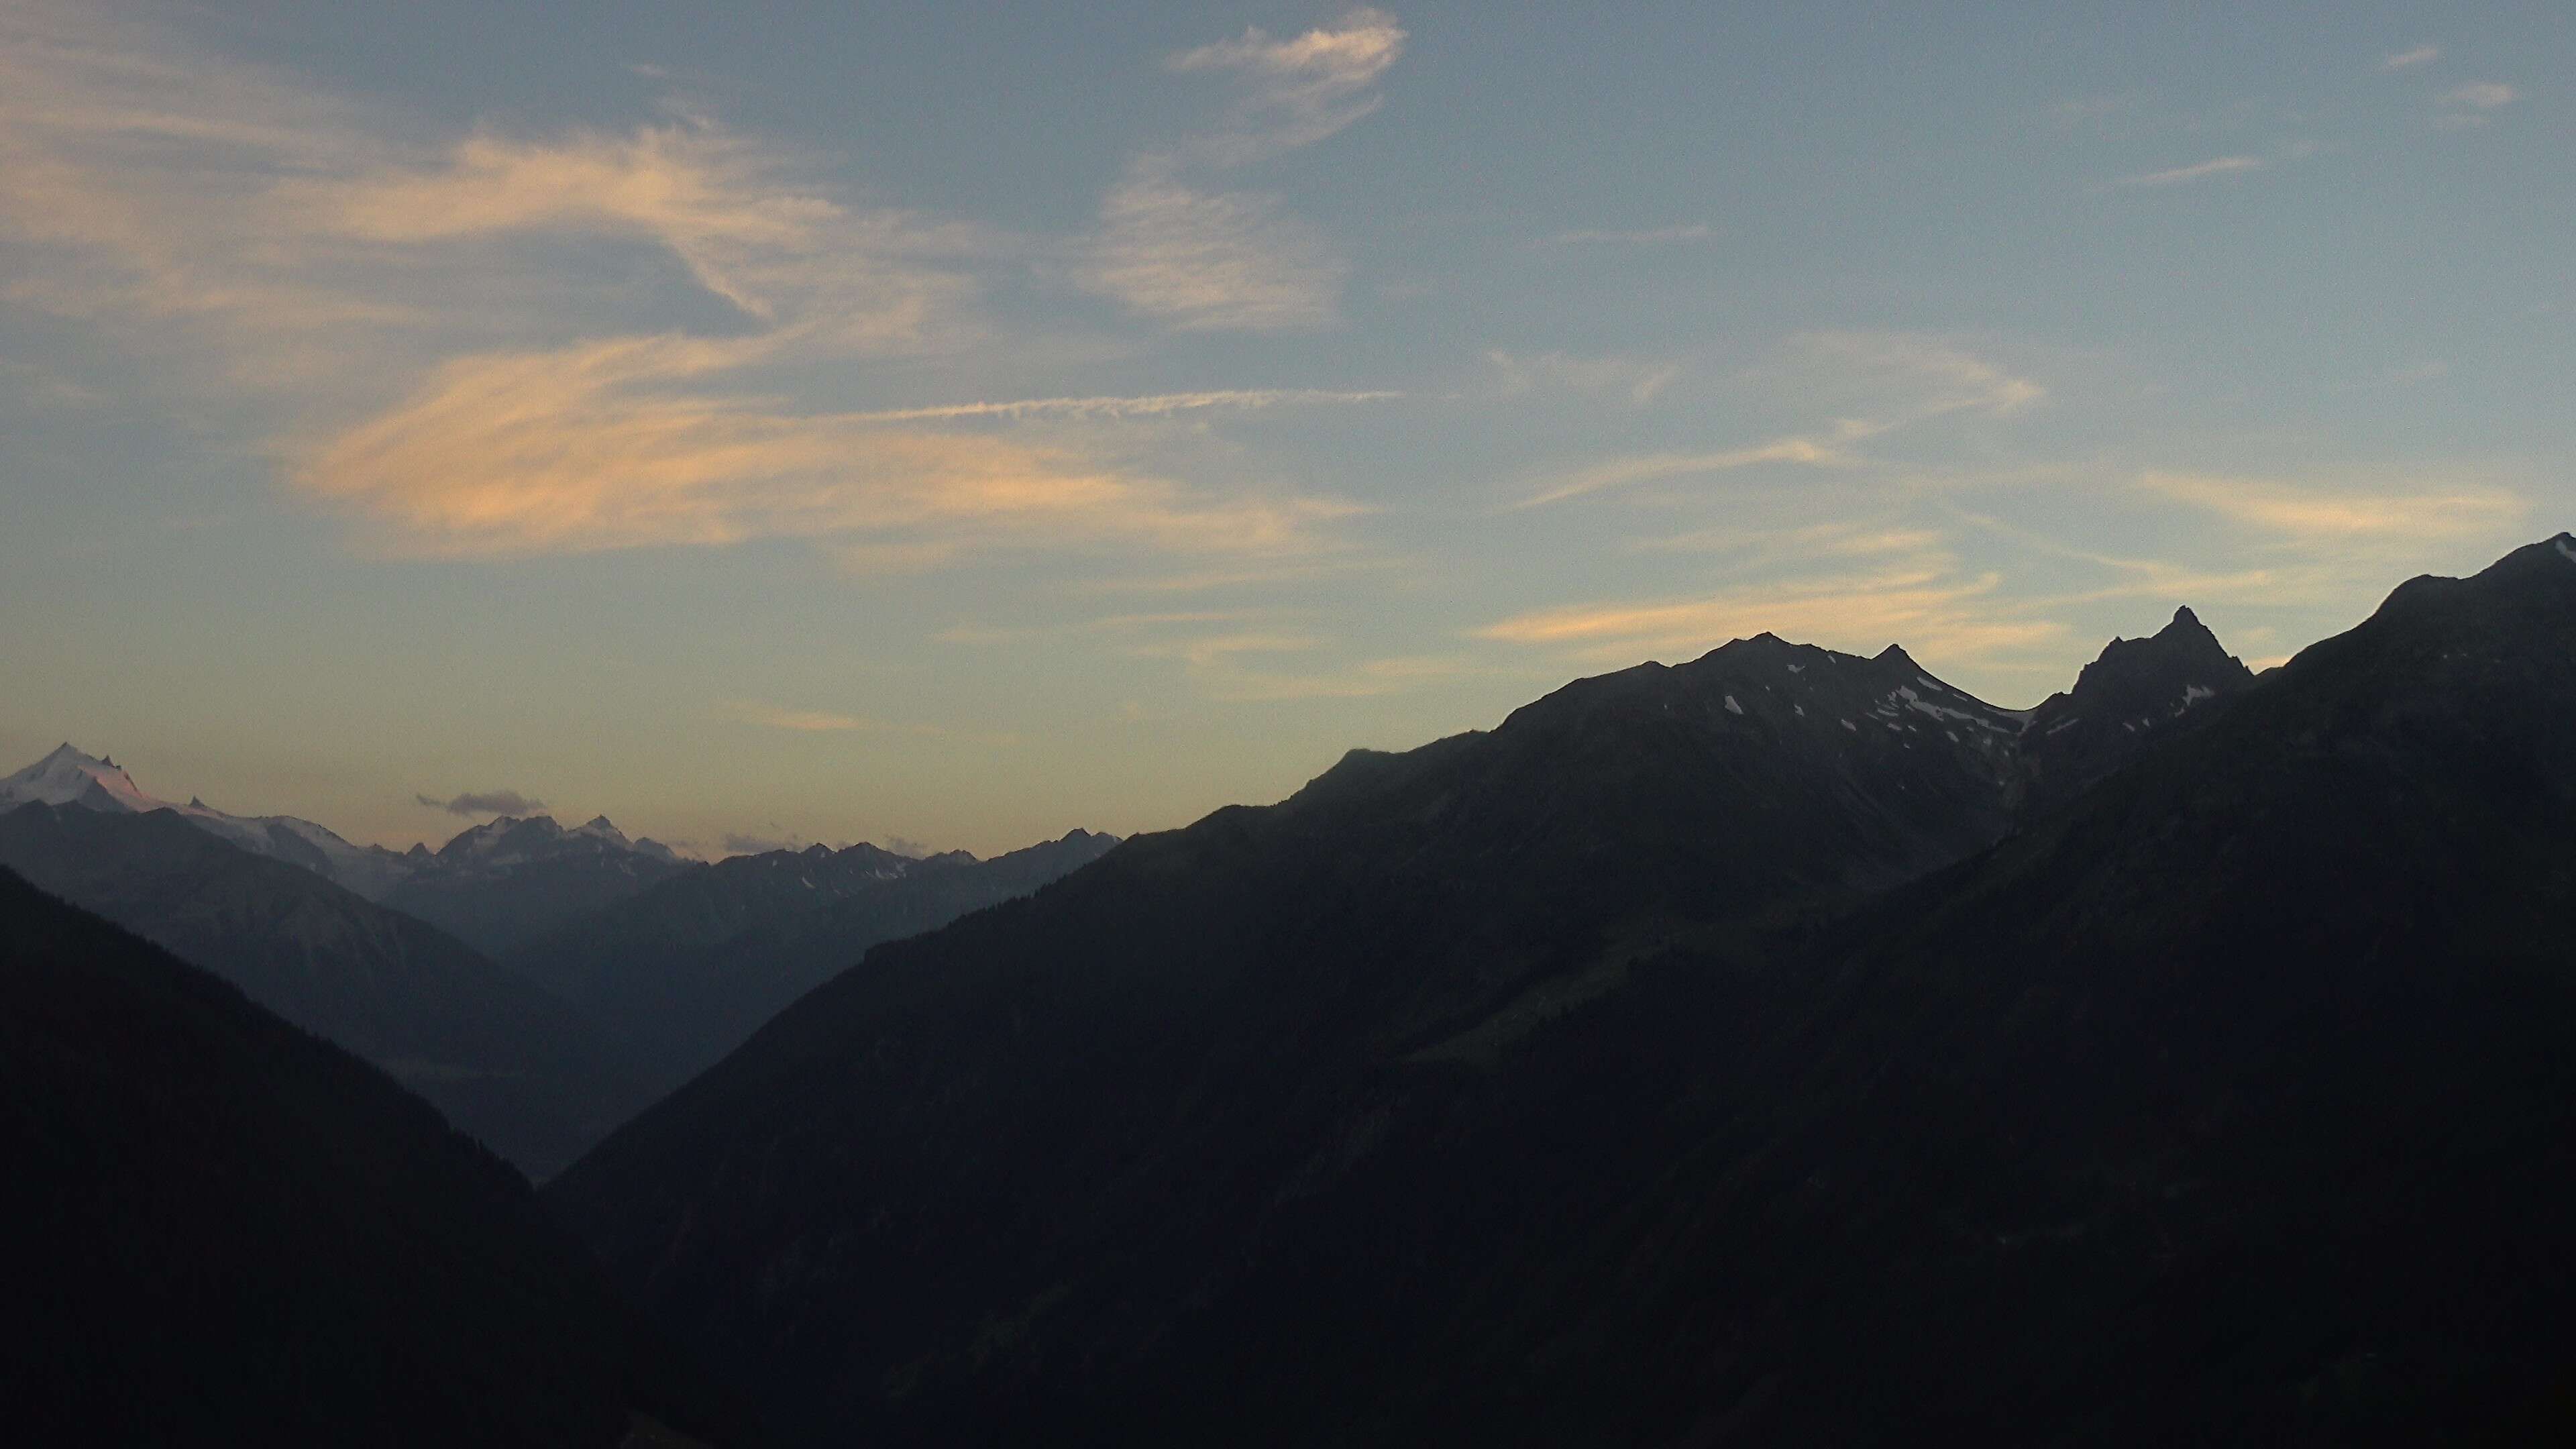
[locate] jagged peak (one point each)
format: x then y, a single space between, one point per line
67 776
2183 659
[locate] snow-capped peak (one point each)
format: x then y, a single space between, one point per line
69 777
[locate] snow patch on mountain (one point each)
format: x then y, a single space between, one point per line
69 777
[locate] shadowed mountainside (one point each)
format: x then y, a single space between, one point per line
1604 1078
687 970
226 1231
505 1061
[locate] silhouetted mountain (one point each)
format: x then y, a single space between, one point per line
688 969
1570 1084
506 1062
504 883
1189 1005
2123 702
224 1231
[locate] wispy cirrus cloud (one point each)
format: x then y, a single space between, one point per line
2474 104
2482 95
1640 380
1759 546
2196 171
1230 666
1196 258
454 391
822 721
2409 58
1651 467
133 185
1296 91
1894 380
1651 236
803 721
1150 405
609 445
707 196
1211 261
2325 513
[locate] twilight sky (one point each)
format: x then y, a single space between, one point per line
959 423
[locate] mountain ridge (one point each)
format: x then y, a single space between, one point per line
1290 1125
691 966
503 1058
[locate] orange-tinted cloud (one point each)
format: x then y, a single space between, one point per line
624 444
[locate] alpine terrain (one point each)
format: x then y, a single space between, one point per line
1779 1047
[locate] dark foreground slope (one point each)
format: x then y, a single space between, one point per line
224 1231
2232 1103
689 968
1476 1096
506 1062
1011 1158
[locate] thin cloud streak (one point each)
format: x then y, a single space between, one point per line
2197 171
1217 665
1641 380
2320 515
2482 95
1804 452
1908 380
2473 105
803 721
2407 59
1151 405
1642 237
483 802
818 721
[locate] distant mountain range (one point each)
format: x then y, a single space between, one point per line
504 1059
506 882
224 1231
68 777
494 885
688 968
653 965
1782 1047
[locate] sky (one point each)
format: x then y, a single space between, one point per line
956 424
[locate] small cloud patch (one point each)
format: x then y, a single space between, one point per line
484 802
